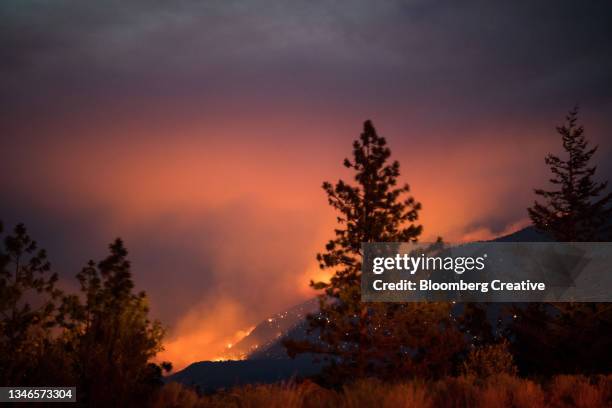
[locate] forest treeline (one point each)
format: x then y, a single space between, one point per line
432 340
102 339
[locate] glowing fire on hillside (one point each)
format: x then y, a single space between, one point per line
228 353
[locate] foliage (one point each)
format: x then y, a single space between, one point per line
489 360
450 392
28 307
101 340
579 332
360 339
111 334
577 210
474 323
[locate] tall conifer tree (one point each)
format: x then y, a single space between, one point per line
361 339
578 209
112 335
29 301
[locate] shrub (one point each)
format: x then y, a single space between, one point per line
490 360
175 395
576 391
501 390
509 391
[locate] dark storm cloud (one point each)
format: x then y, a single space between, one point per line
471 57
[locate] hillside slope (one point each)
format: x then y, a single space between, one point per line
266 358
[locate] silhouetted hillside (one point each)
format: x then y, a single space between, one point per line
267 332
528 234
209 375
297 331
267 360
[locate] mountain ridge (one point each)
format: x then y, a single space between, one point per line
265 357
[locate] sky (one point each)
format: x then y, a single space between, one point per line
201 131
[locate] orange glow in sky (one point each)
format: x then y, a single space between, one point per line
250 217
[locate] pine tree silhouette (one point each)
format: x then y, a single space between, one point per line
112 335
577 210
360 339
29 301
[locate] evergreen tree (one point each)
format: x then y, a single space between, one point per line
103 340
112 338
28 306
360 339
578 210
